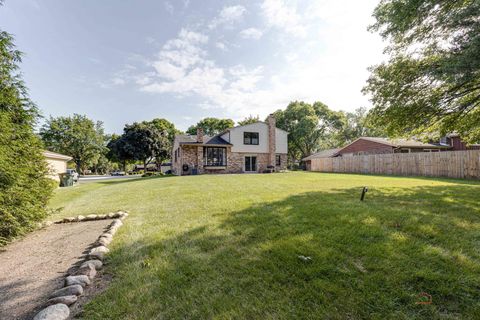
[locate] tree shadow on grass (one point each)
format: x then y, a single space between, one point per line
126 180
365 260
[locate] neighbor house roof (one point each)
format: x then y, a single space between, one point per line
399 143
327 153
403 143
54 155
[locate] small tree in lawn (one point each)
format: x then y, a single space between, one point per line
144 142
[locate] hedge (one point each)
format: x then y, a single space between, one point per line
24 187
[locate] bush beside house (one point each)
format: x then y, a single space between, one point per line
24 185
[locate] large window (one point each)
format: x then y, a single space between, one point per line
215 157
250 138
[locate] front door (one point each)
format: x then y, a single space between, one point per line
250 164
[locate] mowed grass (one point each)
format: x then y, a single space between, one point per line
228 247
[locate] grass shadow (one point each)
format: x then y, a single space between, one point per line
366 260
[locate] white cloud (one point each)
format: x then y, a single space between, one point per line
95 60
150 40
168 7
328 63
228 16
283 16
220 45
118 81
145 78
180 53
183 67
251 33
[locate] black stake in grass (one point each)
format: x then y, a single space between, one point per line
364 190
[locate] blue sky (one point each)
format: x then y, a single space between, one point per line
125 61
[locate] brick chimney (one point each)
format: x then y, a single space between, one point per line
271 140
199 135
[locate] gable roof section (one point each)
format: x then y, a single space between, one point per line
327 153
216 140
185 139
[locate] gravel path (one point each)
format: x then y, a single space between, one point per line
32 268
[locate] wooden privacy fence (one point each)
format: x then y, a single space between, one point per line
452 164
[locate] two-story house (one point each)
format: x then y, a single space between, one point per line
255 147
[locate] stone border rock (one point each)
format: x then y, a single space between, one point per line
56 307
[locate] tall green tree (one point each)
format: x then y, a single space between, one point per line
144 142
116 152
169 131
431 83
76 136
249 120
165 126
353 125
211 126
24 187
307 124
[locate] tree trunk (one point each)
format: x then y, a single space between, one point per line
144 165
125 166
78 165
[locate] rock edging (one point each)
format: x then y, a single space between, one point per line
56 308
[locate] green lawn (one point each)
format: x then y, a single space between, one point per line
228 247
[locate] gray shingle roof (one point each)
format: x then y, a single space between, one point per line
327 153
406 143
215 140
207 140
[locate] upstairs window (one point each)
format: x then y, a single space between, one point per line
250 138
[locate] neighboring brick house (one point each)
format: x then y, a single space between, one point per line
453 140
255 147
373 145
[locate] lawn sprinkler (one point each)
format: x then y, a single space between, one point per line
364 190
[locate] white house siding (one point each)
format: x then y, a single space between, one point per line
235 137
57 164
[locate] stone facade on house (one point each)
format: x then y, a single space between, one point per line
257 147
